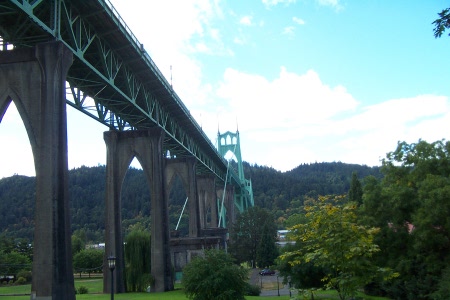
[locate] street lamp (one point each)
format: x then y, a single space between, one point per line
289 281
278 285
112 265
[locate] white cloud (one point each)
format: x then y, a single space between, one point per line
332 3
298 21
269 3
291 119
246 20
296 118
289 31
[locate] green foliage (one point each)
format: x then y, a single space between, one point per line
411 206
21 280
442 23
355 193
12 263
137 261
88 261
77 244
281 193
82 290
303 276
267 250
246 235
214 276
25 274
333 240
253 290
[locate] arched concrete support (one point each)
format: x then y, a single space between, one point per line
185 168
228 203
146 146
207 197
35 80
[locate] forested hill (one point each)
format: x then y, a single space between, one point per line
280 192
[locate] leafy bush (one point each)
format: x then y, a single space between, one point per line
253 290
214 276
21 280
81 290
26 275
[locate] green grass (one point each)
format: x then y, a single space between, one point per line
95 289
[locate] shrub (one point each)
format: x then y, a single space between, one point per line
82 290
214 276
253 290
21 280
26 275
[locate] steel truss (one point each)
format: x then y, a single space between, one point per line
112 78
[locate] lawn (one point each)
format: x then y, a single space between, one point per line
95 287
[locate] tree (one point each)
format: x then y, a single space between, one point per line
333 240
442 23
247 232
267 250
13 262
411 205
88 261
355 193
77 244
214 276
137 261
303 276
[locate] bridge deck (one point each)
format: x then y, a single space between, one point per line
112 78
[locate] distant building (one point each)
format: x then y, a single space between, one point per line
281 234
282 238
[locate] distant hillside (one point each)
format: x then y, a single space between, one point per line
280 192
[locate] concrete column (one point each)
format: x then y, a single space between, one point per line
146 146
206 186
185 168
35 80
231 207
228 203
117 162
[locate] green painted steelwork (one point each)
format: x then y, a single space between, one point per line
112 78
230 142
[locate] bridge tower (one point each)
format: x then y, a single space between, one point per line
230 142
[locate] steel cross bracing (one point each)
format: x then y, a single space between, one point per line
112 78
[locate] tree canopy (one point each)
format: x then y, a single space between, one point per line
442 23
411 205
332 239
214 276
137 261
247 233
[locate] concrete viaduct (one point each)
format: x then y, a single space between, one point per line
146 121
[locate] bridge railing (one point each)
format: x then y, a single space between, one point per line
109 7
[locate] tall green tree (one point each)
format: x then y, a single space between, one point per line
332 239
13 262
247 232
356 192
88 261
137 261
214 276
267 250
411 206
302 276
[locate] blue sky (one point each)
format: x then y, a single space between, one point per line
305 80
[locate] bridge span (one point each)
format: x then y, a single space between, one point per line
81 53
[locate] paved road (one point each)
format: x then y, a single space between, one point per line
270 285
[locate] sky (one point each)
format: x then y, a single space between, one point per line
303 81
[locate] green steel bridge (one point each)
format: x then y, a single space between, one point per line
114 81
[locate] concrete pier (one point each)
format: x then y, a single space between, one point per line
34 79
